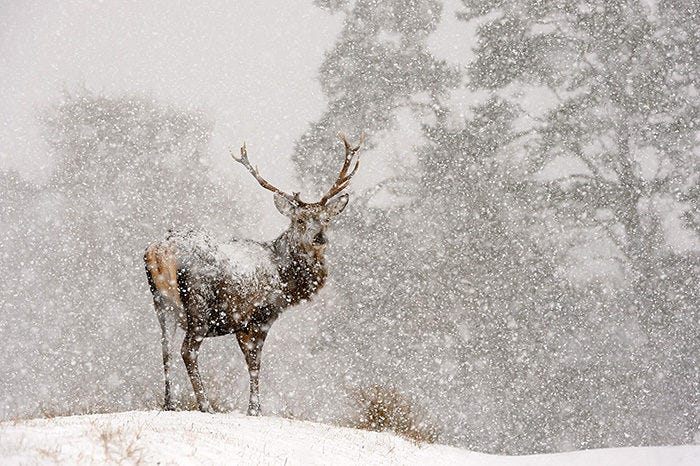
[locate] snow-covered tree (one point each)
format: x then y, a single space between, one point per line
615 154
626 107
379 64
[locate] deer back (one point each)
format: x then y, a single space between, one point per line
222 285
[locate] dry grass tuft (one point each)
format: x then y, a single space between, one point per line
50 455
118 446
53 411
383 408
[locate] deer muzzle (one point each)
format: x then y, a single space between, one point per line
320 238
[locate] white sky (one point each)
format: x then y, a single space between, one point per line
250 65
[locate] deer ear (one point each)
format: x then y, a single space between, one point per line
336 206
284 205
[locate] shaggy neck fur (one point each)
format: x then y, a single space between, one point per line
302 267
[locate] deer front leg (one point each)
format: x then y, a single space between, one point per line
251 341
190 351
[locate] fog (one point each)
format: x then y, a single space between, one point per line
250 67
519 257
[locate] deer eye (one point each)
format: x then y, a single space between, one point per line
300 221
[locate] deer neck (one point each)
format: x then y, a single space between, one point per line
302 268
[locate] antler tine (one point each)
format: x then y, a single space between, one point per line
243 160
343 177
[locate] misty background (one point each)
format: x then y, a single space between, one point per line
520 254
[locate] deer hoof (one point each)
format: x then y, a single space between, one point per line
206 408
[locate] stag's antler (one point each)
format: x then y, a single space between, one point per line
243 160
341 183
344 178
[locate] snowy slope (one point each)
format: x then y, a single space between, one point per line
196 438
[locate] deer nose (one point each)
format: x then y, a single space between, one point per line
320 238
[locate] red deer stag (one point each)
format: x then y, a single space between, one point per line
240 286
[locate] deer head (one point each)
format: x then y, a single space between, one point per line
309 220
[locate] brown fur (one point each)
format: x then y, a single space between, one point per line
162 265
161 261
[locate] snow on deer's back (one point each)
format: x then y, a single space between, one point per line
248 259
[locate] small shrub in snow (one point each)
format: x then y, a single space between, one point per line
383 408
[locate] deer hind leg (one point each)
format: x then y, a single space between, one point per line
251 341
168 327
190 351
161 270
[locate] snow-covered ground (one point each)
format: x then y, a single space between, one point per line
196 438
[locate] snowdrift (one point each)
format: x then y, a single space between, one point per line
196 438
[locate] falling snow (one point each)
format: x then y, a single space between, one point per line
519 256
